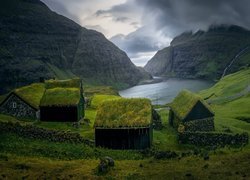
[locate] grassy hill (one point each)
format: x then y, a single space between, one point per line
26 156
230 99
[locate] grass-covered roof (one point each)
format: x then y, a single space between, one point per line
69 83
61 97
184 103
31 94
98 99
123 112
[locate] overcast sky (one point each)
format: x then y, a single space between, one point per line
141 27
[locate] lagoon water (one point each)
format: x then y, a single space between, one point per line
165 91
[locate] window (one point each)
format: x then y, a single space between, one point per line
14 105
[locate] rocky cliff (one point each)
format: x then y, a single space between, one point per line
36 42
204 54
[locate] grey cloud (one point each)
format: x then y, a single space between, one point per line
177 16
135 24
139 41
122 19
110 13
121 12
101 12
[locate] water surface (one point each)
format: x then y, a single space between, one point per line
164 92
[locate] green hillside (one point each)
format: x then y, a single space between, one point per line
229 85
22 156
230 99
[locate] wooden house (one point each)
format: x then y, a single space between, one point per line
124 124
23 102
62 101
189 112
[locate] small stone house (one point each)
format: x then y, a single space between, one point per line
189 112
23 102
53 100
124 124
62 101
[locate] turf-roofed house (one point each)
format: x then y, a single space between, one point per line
189 112
23 102
62 101
124 124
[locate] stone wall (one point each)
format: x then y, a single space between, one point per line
213 138
20 109
30 131
200 125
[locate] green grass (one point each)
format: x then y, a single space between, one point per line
32 158
100 98
11 143
104 90
68 83
220 166
166 138
124 112
229 85
7 118
61 96
31 93
226 115
85 130
229 116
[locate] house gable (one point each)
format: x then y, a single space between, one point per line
16 106
199 111
185 102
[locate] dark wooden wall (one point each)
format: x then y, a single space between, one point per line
171 117
60 114
81 109
140 138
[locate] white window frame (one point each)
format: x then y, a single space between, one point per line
14 105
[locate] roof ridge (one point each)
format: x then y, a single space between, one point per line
190 109
184 102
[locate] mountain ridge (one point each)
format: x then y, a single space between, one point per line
37 42
203 54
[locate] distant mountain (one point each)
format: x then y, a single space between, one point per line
204 54
36 42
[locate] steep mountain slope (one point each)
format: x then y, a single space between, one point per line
202 54
36 42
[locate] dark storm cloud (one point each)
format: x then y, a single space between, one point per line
119 13
118 9
139 41
172 17
110 13
121 19
176 16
